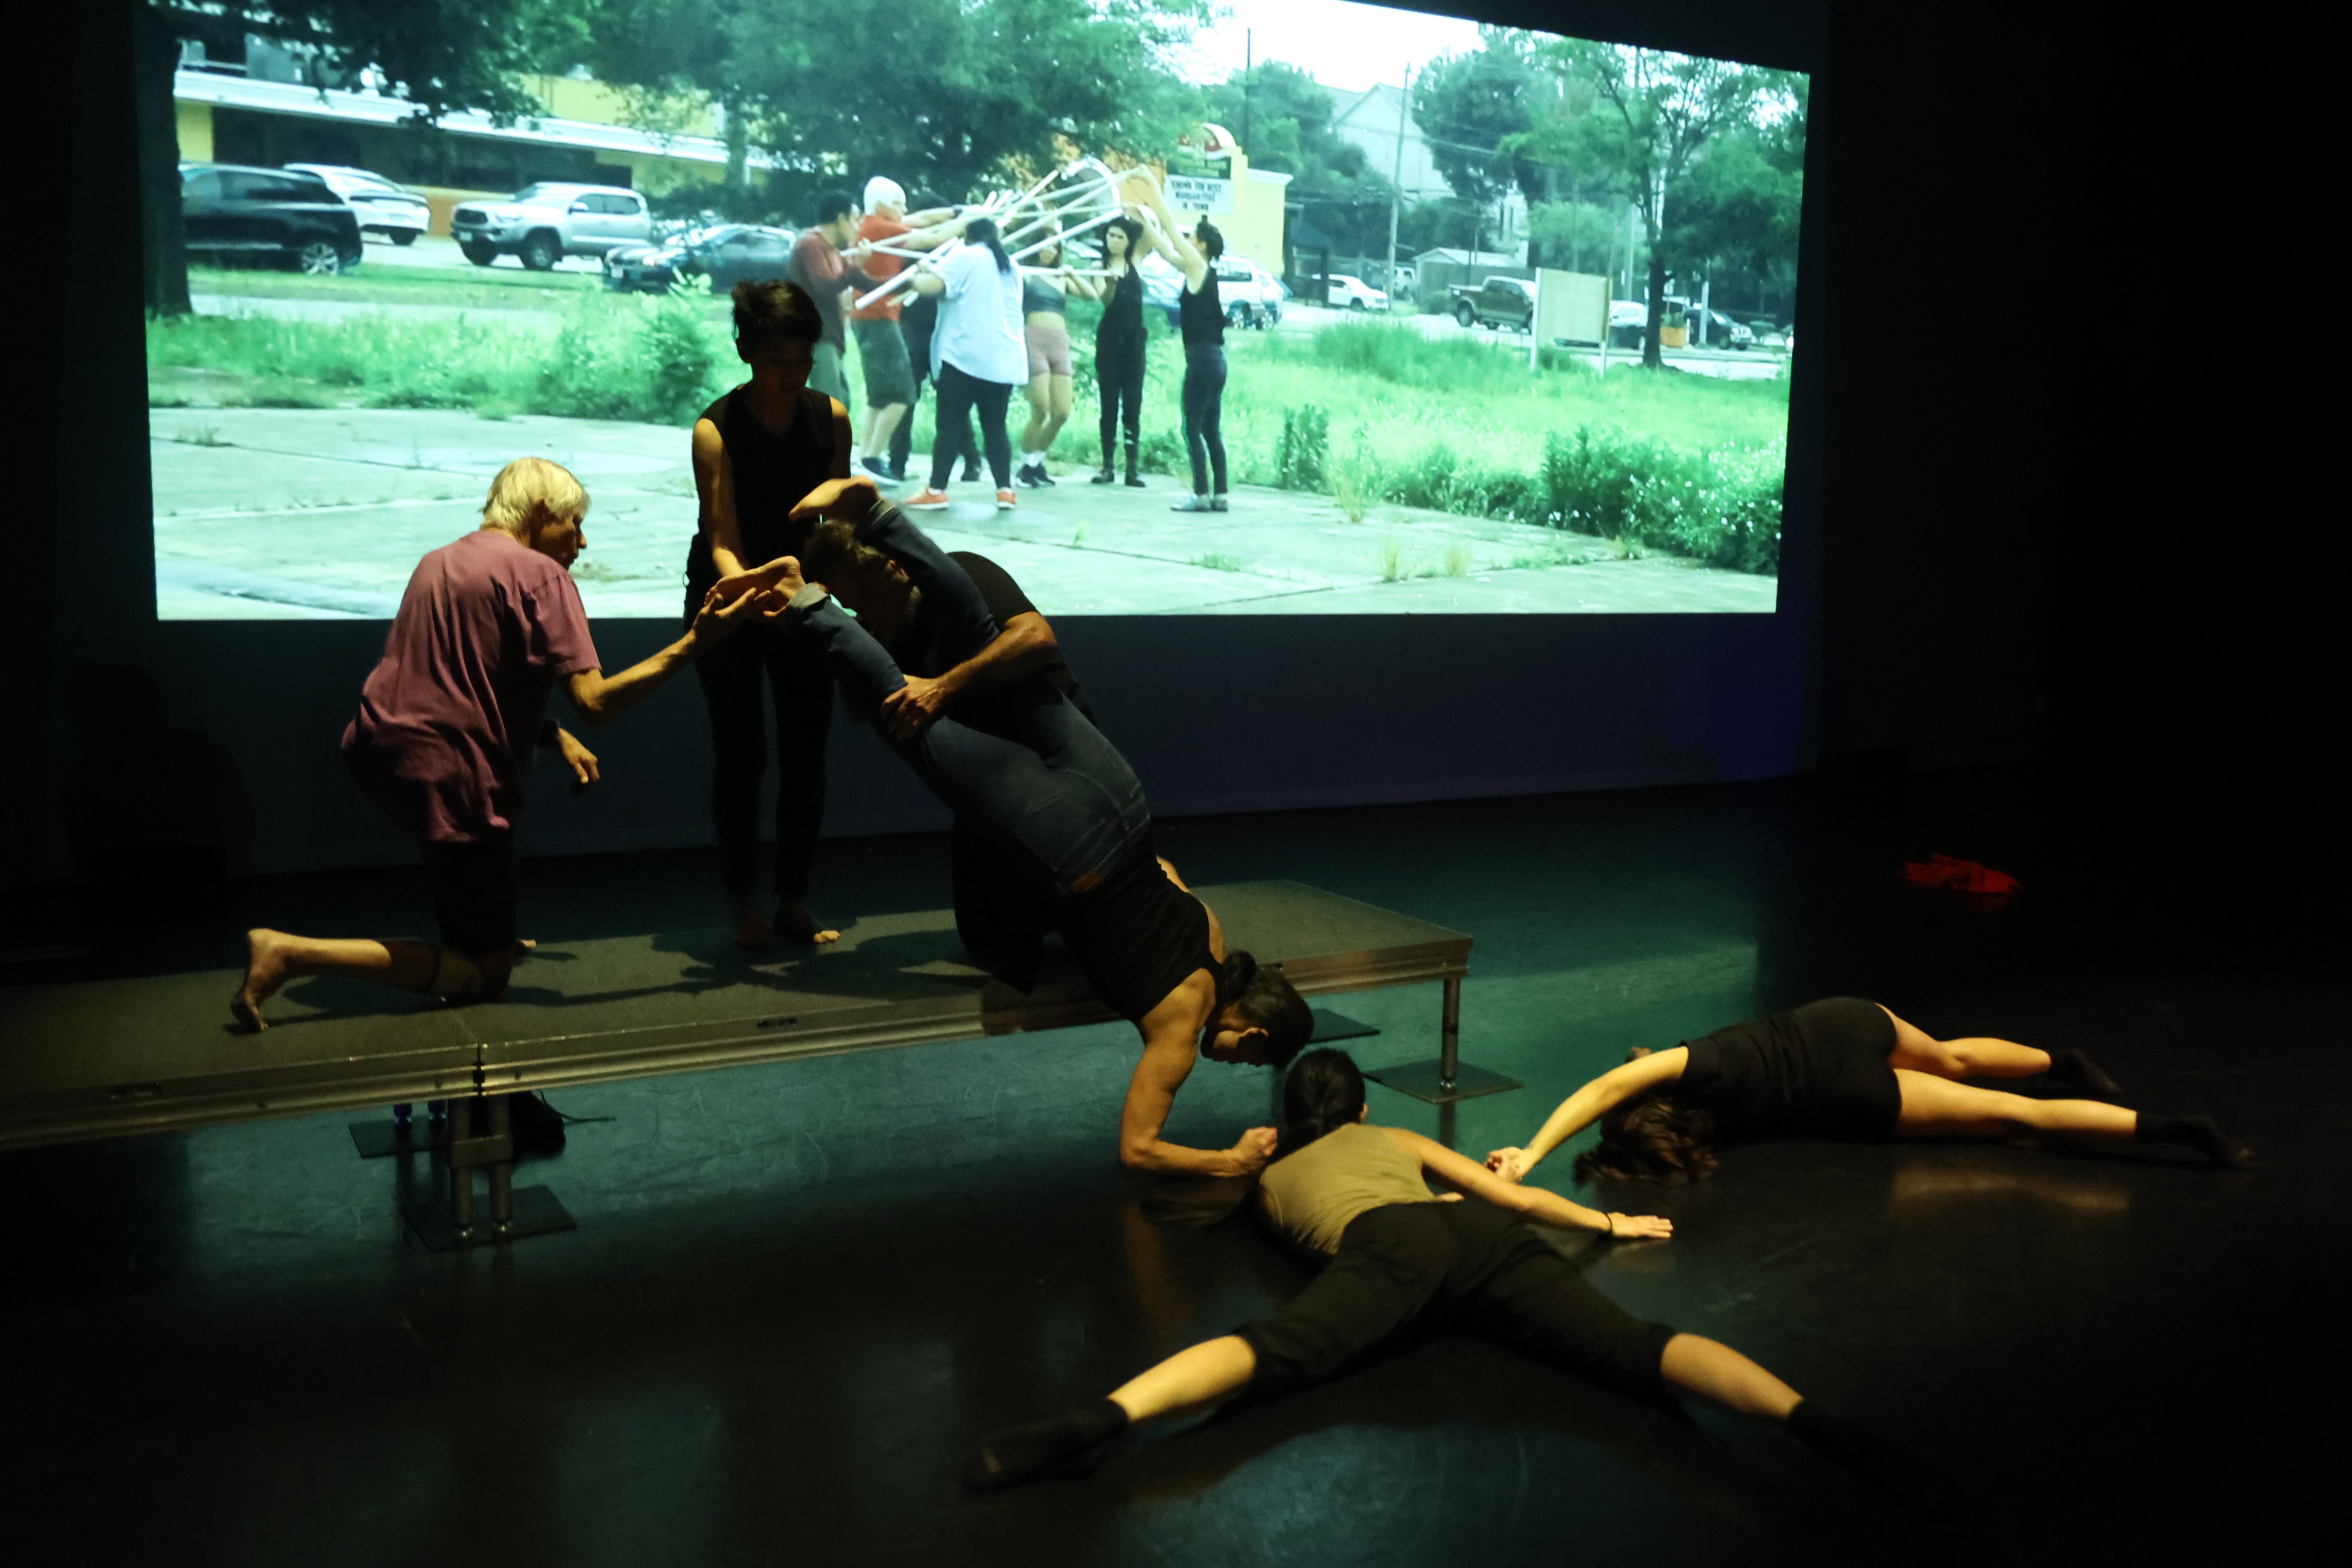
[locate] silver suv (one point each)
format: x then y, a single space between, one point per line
544 223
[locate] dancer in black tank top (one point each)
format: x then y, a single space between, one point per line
1200 314
1840 1068
1062 805
1120 346
757 451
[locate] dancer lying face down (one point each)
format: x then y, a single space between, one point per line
1066 811
1356 1195
448 719
1839 1069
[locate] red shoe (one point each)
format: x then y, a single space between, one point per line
929 500
1005 501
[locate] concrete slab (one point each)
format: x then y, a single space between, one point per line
325 513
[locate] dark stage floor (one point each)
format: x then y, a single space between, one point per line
797 1292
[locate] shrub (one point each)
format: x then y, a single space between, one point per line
1302 454
1722 508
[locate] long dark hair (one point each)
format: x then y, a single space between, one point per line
1265 1000
1324 1091
1134 232
1655 1138
984 231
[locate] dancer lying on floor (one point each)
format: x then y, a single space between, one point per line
446 723
1357 1194
1068 818
1840 1068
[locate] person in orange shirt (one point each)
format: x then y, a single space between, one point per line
881 348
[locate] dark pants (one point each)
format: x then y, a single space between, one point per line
1118 380
1467 1266
958 394
1204 402
1001 913
474 901
1040 783
801 690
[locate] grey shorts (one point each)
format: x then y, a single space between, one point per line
882 351
827 375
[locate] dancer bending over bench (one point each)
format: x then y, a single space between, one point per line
446 728
1840 1068
1069 818
1356 1195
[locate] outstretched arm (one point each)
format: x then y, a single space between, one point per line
1549 1208
601 699
1169 237
1168 1057
1589 1105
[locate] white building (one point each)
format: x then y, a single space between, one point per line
1371 118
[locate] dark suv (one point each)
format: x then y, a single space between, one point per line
232 211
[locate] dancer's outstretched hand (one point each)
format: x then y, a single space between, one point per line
851 500
1511 1165
782 576
1640 1226
721 616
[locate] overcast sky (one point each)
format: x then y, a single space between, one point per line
1342 45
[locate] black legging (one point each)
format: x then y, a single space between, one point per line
902 440
801 689
1204 400
1118 379
1478 1267
958 394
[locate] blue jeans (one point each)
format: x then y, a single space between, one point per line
1204 402
1041 782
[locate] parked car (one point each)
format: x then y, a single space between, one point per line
396 212
1345 293
231 210
724 253
1252 296
1628 319
544 223
1496 302
1718 331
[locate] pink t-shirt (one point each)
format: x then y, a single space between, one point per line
450 716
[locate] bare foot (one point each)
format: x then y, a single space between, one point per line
266 967
794 921
751 930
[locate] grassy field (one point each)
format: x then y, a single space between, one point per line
1370 412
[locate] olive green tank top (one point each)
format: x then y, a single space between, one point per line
1313 1195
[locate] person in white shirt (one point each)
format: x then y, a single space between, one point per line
978 355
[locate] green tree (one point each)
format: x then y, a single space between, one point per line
1288 118
1654 117
439 54
1476 111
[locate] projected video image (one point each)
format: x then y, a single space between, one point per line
1326 307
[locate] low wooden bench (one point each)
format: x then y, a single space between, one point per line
149 1055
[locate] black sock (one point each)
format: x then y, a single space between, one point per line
2071 1066
1017 1453
1867 1456
2196 1132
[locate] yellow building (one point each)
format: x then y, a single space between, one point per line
1245 205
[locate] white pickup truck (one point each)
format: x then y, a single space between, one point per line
544 223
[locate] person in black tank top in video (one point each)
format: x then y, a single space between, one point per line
1402 1258
1840 1068
1062 810
1202 317
1121 342
757 451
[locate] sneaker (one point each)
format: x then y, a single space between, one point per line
1217 503
1193 503
879 469
1103 477
1038 476
1006 500
898 476
929 500
1030 477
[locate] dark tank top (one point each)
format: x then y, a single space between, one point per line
771 473
1122 317
1137 937
1816 1071
1200 313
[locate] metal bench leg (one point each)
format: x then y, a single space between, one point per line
515 1212
1448 1079
404 1134
461 1170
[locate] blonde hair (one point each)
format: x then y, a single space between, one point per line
528 484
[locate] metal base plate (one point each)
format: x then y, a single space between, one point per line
537 1212
1330 1026
1419 1080
381 1140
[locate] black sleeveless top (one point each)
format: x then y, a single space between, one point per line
1137 937
1122 317
771 473
1815 1071
1200 313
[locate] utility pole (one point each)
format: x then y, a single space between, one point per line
1396 176
1248 67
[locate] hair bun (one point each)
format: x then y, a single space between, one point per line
1233 978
